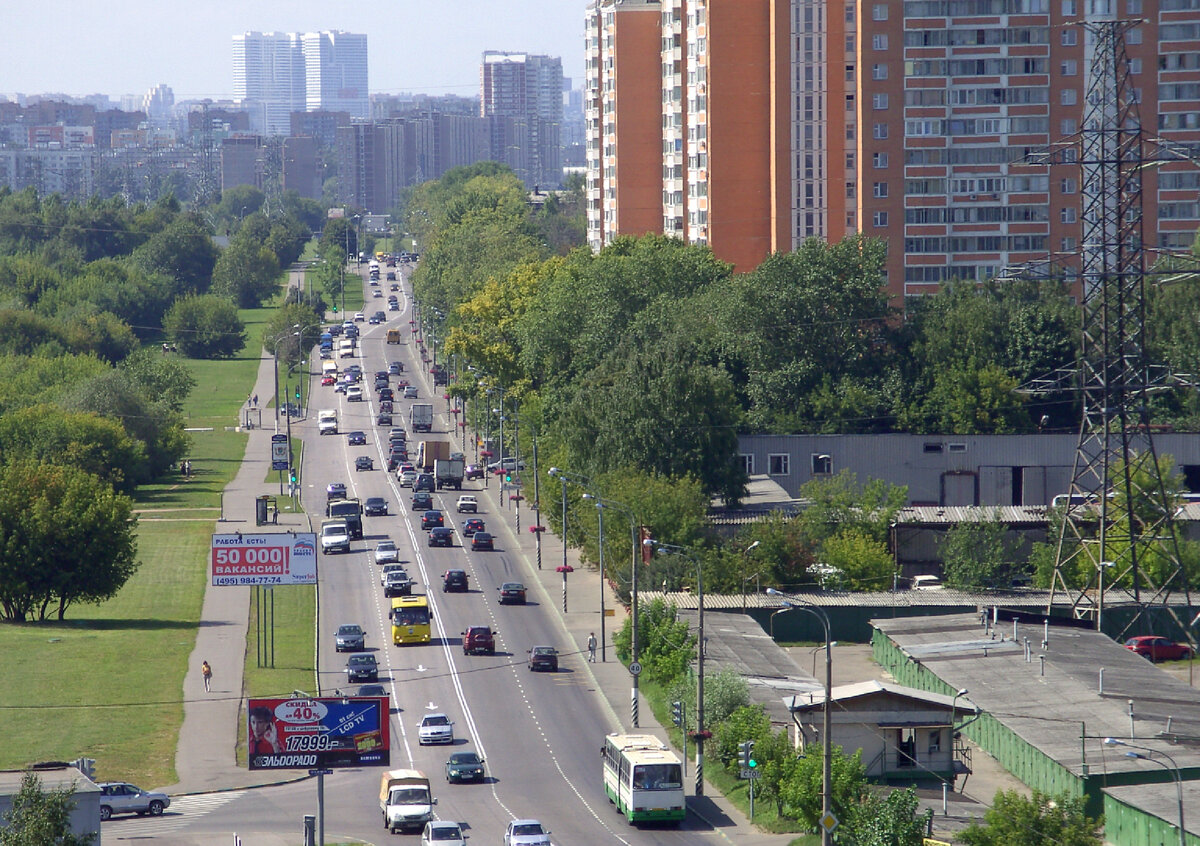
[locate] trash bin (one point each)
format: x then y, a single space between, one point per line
260 511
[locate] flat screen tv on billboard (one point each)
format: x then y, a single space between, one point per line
321 732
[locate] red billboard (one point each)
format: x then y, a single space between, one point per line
325 731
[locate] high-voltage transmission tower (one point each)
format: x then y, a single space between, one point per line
206 176
1117 536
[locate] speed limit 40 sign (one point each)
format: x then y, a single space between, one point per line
270 559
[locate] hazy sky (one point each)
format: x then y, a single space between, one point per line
81 47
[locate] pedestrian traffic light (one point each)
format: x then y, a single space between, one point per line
746 751
677 713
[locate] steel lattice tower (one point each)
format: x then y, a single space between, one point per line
1119 516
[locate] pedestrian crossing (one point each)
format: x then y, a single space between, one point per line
183 812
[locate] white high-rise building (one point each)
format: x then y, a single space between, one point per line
158 104
277 73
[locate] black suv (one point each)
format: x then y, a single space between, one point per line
454 580
424 482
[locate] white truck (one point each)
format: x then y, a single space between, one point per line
335 537
421 417
327 421
346 348
405 800
448 473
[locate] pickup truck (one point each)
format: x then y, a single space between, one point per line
405 800
467 504
335 537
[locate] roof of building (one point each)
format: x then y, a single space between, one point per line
940 597
1162 803
1049 708
872 687
763 495
949 515
56 778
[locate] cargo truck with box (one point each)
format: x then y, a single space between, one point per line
429 452
327 423
421 417
405 799
449 473
350 512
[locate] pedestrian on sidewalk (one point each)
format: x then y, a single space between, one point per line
206 671
592 647
254 400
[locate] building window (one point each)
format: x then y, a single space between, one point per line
1068 96
778 464
822 465
1070 36
879 161
1067 245
1068 126
748 464
879 219
1133 36
879 71
849 190
879 41
1067 185
1068 9
1066 215
879 131
879 190
957 446
935 741
879 12
1135 66
932 448
1133 7
879 101
1070 66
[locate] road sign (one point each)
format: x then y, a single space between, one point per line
280 453
268 559
635 669
828 822
746 772
320 772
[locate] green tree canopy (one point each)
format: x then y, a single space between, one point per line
205 326
247 273
41 818
84 440
1016 820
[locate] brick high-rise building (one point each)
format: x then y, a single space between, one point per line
907 120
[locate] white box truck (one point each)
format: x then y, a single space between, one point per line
327 421
405 800
421 417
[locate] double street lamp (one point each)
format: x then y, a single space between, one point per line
1173 768
826 739
601 504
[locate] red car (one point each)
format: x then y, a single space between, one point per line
479 640
1158 648
328 380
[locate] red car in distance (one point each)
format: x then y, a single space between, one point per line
1158 648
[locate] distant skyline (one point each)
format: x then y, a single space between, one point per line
128 46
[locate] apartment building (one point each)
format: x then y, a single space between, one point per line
909 120
522 94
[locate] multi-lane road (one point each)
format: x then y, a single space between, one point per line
540 733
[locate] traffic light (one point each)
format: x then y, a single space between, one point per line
297 392
293 475
507 476
335 308
746 752
677 713
87 766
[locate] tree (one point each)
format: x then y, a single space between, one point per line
183 251
92 443
801 792
1016 820
859 561
41 818
890 820
247 273
205 326
839 501
665 645
65 537
979 555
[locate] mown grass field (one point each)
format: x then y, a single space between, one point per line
107 682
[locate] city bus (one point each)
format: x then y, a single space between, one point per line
643 778
410 620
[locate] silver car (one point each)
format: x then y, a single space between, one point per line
387 553
443 833
117 797
435 728
526 833
349 637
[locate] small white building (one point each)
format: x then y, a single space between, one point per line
85 816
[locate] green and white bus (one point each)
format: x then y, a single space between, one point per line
643 778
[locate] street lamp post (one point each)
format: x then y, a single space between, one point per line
746 552
1173 769
556 473
827 741
681 550
633 594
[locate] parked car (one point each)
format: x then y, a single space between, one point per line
362 667
349 637
454 581
464 766
467 504
544 659
375 506
441 536
386 552
479 640
1158 648
512 593
118 797
471 526
364 462
431 518
526 833
481 540
422 501
435 728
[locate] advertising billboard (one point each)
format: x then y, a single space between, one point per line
270 559
280 452
326 732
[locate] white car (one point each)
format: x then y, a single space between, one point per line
354 393
359 317
526 833
386 553
467 503
442 833
435 728
389 568
407 478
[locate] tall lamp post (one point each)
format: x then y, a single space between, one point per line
674 549
584 482
601 504
826 740
565 567
1173 769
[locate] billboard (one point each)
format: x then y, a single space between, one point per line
281 456
327 731
270 559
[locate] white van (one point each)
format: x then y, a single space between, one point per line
346 348
329 368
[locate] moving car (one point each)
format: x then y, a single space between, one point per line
393 567
386 552
479 640
442 833
441 536
424 482
467 504
1158 648
375 506
371 690
349 637
473 472
543 659
396 582
328 379
386 406
118 797
480 541
362 667
471 526
454 581
359 317
384 419
422 501
410 392
335 490
526 833
512 593
407 477
354 393
364 462
431 518
464 766
435 728
395 368
356 438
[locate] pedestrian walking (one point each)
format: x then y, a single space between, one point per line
592 647
206 671
254 400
